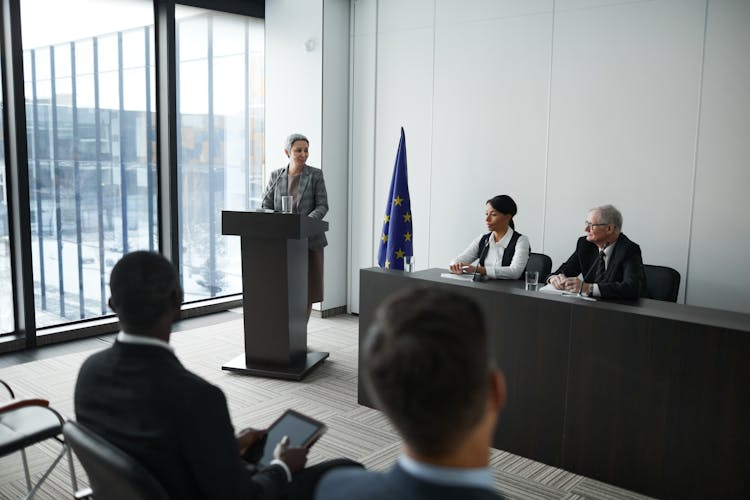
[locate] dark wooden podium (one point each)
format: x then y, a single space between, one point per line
274 288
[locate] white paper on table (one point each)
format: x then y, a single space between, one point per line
549 288
460 277
554 291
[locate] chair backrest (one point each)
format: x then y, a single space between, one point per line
539 262
662 283
113 474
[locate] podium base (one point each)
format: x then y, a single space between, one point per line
296 371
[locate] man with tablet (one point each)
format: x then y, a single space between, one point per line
137 395
427 362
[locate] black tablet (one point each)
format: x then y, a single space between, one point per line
302 430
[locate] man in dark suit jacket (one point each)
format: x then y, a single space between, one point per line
138 396
427 364
611 264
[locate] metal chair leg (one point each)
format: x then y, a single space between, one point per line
26 470
45 475
73 478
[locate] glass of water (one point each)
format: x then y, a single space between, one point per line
532 280
409 263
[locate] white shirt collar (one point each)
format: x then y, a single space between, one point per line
610 248
128 338
505 240
477 477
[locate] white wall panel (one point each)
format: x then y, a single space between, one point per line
398 15
404 98
624 108
294 77
718 272
334 147
561 5
454 13
634 116
490 127
362 143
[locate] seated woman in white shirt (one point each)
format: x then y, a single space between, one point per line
501 253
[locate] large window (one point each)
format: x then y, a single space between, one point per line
6 293
89 87
95 190
220 142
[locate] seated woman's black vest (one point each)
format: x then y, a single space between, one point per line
510 250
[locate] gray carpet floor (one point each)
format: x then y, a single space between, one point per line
328 394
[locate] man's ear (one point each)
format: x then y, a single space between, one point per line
286 152
111 305
497 390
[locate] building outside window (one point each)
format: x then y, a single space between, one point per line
91 121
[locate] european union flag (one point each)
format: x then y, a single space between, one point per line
396 237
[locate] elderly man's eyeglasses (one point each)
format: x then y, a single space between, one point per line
589 225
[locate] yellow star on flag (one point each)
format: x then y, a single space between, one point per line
407 217
387 218
384 237
397 200
400 254
407 236
387 264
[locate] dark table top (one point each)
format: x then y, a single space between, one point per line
644 307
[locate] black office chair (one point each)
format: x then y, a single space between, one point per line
539 262
24 422
113 474
662 283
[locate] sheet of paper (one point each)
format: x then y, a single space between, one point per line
460 277
551 289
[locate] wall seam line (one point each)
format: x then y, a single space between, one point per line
432 134
546 148
695 155
375 132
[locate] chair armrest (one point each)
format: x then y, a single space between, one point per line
15 404
10 391
84 494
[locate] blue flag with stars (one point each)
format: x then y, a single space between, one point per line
396 236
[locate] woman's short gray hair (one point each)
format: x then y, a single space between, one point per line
294 138
608 214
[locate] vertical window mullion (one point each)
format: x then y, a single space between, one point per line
123 169
166 130
211 162
77 181
16 161
99 178
149 153
56 181
38 184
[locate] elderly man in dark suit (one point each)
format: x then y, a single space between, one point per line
138 396
427 362
610 264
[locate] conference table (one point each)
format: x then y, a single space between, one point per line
651 396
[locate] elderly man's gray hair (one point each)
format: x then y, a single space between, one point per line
292 139
608 214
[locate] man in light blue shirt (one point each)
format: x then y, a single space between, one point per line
427 362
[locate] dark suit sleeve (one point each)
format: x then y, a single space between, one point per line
210 448
572 266
629 287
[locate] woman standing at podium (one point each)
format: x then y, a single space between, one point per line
500 254
305 184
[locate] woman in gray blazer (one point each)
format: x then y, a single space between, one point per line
305 184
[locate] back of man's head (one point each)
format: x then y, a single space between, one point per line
427 363
144 287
